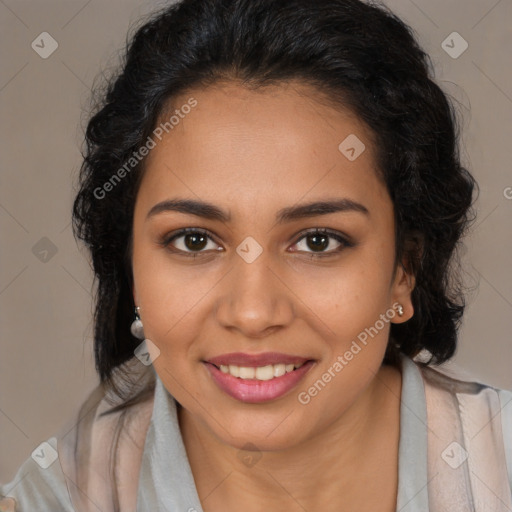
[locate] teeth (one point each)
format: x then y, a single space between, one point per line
261 372
246 372
279 369
265 372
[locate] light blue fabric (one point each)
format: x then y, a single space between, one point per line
412 451
37 489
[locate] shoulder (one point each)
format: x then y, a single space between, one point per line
98 448
468 393
102 453
482 413
39 483
461 384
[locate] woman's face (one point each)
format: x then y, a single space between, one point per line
253 288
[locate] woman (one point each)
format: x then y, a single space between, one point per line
273 198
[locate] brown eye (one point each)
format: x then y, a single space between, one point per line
319 240
195 242
189 241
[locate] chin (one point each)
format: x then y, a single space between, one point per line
260 432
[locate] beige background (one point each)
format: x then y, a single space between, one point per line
46 367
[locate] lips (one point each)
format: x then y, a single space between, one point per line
230 372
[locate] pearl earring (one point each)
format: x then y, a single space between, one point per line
400 310
137 328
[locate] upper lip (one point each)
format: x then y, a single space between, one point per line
255 360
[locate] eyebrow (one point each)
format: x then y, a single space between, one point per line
288 214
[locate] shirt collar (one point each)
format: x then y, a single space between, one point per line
412 451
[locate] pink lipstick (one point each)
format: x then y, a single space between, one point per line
256 378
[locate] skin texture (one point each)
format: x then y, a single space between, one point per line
253 153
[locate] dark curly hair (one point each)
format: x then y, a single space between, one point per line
357 55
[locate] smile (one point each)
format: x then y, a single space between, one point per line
256 384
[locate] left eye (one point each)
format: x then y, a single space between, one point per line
320 240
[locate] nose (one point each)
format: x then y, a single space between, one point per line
254 299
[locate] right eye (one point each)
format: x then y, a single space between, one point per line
189 241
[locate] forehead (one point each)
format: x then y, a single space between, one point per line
260 147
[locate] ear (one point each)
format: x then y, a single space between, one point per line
403 285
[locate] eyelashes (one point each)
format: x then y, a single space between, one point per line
324 233
203 239
192 233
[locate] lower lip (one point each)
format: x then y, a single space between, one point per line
255 391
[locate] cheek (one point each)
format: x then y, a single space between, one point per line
351 296
357 338
173 298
